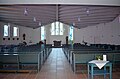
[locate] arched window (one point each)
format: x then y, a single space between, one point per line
15 31
42 33
57 28
71 33
6 31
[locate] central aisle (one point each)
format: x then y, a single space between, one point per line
57 67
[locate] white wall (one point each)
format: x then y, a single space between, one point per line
50 38
32 35
105 33
36 35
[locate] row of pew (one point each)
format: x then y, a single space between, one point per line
106 46
82 54
23 58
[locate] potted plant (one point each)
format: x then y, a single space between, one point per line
99 57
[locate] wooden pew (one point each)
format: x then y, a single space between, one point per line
16 61
83 57
24 57
82 54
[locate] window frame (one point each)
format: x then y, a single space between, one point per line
57 26
44 33
8 31
17 31
71 31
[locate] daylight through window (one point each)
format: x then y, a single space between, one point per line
15 31
71 33
6 30
42 33
57 28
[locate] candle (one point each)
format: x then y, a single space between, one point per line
104 58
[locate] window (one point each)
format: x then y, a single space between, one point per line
6 30
42 33
53 29
57 28
61 28
71 33
15 31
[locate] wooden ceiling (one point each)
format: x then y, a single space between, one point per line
79 15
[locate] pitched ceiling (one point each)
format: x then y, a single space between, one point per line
78 15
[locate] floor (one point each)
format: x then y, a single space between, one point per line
56 67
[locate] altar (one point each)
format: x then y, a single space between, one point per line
57 43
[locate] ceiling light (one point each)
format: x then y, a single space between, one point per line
73 24
39 24
25 12
34 19
87 11
78 18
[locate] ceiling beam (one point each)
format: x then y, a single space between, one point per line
90 21
25 19
22 14
97 9
85 14
21 8
57 12
87 18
